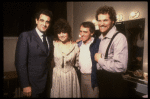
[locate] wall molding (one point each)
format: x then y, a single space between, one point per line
10 37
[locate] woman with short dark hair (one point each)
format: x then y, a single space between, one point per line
65 82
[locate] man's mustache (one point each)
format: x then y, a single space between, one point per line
102 26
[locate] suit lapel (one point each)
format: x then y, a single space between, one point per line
39 41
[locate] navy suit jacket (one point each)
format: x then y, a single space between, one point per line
94 47
31 60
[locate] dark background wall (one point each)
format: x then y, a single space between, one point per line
20 16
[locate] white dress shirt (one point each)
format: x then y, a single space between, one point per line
85 61
41 35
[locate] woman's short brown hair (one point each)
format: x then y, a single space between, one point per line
61 25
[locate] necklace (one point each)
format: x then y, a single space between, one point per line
65 48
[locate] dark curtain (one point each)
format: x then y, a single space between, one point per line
20 16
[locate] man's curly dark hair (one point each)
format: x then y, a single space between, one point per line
61 25
107 10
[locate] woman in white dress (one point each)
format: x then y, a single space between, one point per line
65 83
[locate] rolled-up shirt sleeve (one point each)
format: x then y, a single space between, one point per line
117 55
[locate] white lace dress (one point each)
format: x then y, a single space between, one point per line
65 83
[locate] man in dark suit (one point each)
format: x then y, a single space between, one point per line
34 52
